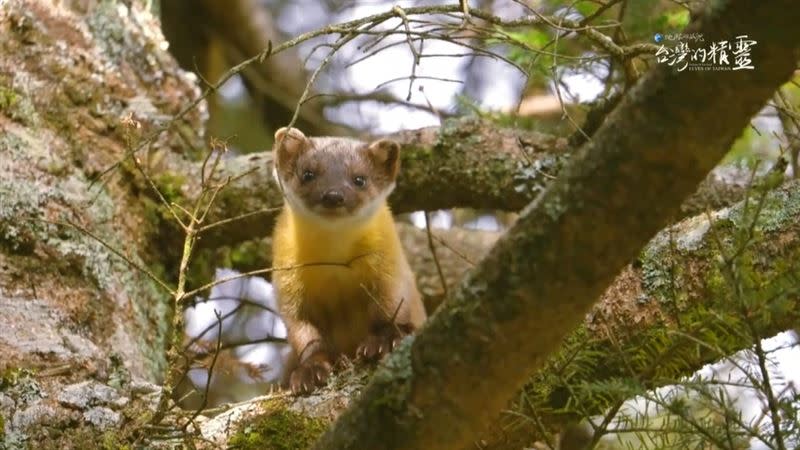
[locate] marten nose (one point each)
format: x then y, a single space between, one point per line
332 199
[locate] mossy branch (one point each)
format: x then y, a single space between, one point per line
466 163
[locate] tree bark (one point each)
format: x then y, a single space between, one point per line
440 389
75 79
65 117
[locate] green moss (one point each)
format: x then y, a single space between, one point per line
660 272
279 429
11 377
170 185
8 98
394 379
153 212
20 385
780 207
83 437
17 106
248 255
413 156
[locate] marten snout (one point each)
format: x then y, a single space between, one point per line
332 199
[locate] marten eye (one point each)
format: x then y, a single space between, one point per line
308 176
360 180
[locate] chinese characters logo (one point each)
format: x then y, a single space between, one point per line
719 55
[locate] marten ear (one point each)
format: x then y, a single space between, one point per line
385 153
290 140
289 144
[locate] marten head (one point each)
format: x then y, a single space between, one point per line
334 179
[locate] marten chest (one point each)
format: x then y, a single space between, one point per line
337 281
339 302
340 273
339 287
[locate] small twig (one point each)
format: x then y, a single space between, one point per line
210 372
447 245
218 223
269 270
379 97
223 318
184 210
411 48
155 189
55 371
229 345
383 310
432 247
394 80
113 250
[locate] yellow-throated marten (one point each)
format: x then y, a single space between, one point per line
343 284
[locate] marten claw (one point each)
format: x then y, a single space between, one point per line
309 375
378 344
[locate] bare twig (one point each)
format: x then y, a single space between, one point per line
432 247
270 270
210 372
112 249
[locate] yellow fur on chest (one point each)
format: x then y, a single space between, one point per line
336 286
335 266
333 278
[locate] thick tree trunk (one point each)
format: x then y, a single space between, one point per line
73 82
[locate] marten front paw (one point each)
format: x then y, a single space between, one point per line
382 341
310 374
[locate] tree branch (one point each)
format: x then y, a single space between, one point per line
467 163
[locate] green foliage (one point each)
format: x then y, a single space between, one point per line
586 9
84 437
675 19
645 18
170 184
249 255
532 38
